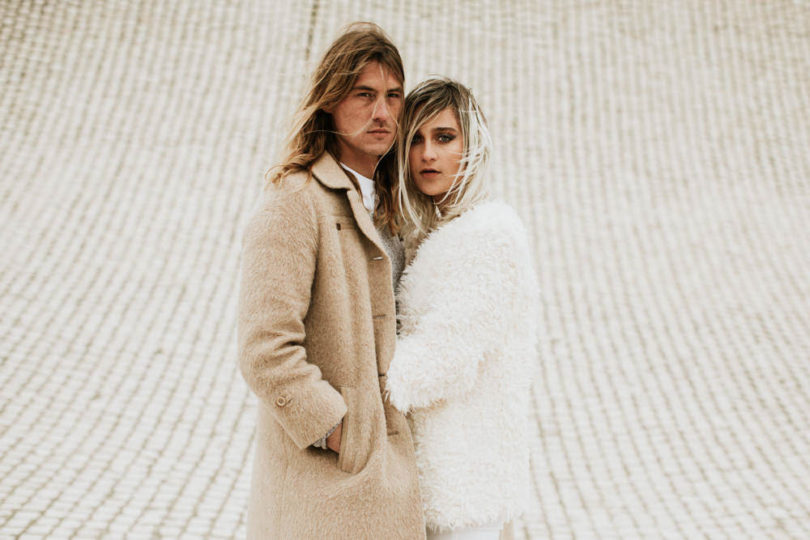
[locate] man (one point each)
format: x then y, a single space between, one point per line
317 322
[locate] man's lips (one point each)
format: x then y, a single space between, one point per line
379 131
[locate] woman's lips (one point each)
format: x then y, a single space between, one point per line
429 172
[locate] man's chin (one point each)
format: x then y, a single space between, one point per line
380 150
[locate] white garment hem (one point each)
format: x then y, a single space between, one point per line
491 531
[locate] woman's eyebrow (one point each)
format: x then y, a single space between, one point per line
444 129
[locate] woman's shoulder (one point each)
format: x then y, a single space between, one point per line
488 229
488 220
494 213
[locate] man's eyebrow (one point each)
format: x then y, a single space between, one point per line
398 89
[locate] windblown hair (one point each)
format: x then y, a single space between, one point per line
313 132
419 213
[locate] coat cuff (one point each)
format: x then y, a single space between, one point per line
400 389
321 443
306 416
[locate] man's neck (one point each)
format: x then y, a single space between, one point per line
361 163
364 168
356 173
366 186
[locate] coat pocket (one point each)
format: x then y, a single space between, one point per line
394 420
346 457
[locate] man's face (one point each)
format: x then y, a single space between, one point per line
366 119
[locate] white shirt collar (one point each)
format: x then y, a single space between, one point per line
366 188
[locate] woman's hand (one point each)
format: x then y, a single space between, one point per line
333 440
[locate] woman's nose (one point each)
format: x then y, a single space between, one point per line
428 152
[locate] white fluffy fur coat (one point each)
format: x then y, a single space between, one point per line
462 366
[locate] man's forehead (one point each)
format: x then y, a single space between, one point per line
375 71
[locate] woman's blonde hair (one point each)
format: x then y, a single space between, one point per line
419 214
313 132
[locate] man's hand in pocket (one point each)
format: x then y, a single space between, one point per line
333 440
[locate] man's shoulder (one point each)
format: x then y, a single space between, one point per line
324 174
292 189
297 193
284 200
300 186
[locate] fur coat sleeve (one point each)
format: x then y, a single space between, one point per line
460 296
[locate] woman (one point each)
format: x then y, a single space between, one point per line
467 304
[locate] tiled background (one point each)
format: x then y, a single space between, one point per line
657 151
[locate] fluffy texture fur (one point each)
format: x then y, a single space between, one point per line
317 327
462 366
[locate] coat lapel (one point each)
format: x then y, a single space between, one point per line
329 173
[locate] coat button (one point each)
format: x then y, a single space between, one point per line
281 401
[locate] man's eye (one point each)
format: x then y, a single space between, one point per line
365 94
395 95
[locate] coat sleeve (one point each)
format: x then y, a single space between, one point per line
470 314
278 266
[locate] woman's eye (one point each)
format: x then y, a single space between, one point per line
416 139
444 138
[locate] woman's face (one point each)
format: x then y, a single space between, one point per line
435 154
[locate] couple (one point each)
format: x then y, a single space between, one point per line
373 423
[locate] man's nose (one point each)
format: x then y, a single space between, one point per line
381 112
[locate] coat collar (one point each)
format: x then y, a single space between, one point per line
328 172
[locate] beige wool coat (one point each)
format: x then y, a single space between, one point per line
317 331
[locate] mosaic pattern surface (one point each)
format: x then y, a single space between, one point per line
657 151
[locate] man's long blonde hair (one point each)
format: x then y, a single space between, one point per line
419 213
313 131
